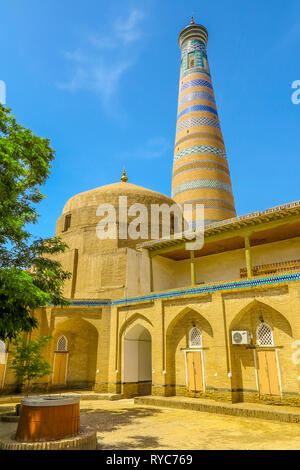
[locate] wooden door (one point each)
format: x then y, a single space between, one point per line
60 368
267 371
195 371
2 372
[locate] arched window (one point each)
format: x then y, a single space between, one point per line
191 60
62 344
264 335
195 338
67 222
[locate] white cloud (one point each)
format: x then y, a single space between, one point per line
98 78
102 42
129 30
289 36
152 149
100 66
105 80
77 56
292 35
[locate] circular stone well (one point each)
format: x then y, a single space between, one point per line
48 418
85 440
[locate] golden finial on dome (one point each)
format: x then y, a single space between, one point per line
124 178
192 20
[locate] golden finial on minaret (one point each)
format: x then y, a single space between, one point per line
124 178
192 20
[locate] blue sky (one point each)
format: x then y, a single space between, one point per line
100 79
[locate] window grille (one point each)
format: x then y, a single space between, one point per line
62 344
2 347
195 339
264 335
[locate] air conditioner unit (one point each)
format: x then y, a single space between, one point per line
240 337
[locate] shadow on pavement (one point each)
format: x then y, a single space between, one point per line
140 442
111 420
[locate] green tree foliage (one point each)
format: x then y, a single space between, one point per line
29 275
28 362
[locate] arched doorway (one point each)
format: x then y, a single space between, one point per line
189 342
256 366
75 343
137 379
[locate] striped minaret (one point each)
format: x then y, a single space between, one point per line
200 171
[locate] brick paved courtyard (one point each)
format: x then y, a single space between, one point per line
123 425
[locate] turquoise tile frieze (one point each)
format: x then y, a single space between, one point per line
194 83
200 149
198 121
194 71
200 184
197 107
90 303
193 45
194 48
214 203
199 65
224 286
196 95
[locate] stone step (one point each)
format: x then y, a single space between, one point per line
83 396
99 396
247 410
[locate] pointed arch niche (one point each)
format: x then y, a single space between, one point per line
189 347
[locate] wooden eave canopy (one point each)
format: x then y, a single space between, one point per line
275 224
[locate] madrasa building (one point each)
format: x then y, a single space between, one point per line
151 316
